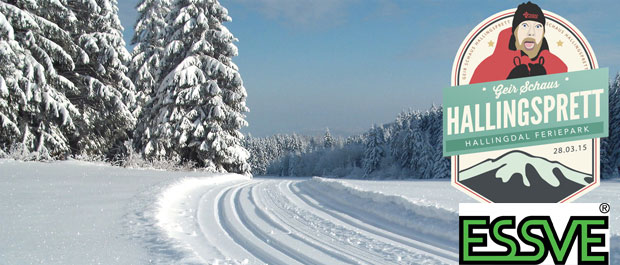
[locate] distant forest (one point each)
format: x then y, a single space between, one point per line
409 147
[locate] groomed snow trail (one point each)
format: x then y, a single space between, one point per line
75 212
235 220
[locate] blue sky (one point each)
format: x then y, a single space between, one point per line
346 64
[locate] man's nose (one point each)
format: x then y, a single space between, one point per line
530 31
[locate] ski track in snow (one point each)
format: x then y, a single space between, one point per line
83 213
235 220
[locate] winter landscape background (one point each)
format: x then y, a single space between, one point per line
136 139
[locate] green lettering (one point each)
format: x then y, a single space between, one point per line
469 239
589 240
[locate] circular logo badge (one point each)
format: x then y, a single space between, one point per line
519 43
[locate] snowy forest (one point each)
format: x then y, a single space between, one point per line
69 88
409 147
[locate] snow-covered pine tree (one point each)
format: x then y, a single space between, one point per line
607 168
297 144
374 150
328 140
419 148
198 109
400 142
282 166
426 159
295 164
149 40
441 164
610 146
36 52
146 69
105 95
614 128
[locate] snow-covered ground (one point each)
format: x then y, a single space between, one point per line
84 213
77 213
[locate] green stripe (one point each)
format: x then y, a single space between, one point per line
486 143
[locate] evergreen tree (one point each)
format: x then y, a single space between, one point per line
294 164
402 144
148 38
146 68
36 54
418 148
374 150
441 164
328 140
105 96
610 146
198 109
426 160
295 144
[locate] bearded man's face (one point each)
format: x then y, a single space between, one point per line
528 37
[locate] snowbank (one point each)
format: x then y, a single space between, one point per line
431 217
420 216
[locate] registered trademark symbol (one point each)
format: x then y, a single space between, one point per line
604 207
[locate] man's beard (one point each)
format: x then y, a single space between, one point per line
529 47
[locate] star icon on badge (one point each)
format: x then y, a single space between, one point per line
491 43
560 43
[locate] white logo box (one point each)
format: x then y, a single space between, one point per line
559 214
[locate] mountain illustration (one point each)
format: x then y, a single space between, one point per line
519 177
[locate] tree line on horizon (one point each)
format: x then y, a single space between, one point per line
409 147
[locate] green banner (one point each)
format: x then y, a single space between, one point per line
525 111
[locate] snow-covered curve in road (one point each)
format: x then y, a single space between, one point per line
74 212
234 220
